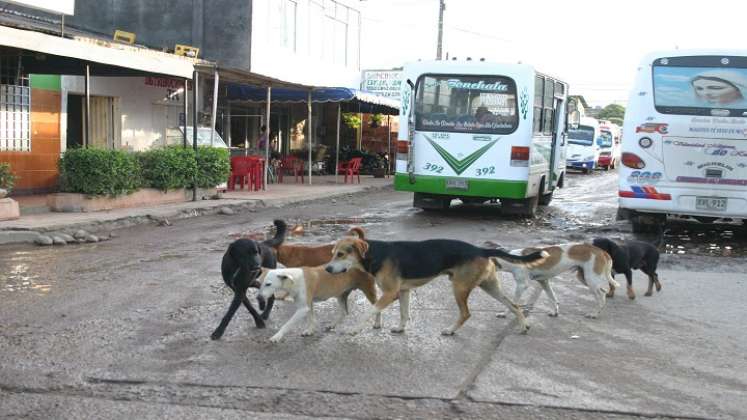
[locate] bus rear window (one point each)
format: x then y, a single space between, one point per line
717 91
466 104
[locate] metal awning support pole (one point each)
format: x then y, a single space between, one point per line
185 94
337 157
311 143
195 83
215 105
267 133
388 144
87 116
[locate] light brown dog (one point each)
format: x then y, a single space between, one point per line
300 255
307 285
400 266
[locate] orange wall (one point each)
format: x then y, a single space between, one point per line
37 169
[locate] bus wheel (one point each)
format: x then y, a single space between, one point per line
646 224
526 207
544 198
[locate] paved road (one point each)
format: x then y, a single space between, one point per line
120 329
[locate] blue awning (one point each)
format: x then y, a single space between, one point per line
351 100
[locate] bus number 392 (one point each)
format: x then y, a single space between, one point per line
486 171
433 168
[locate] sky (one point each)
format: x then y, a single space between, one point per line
595 46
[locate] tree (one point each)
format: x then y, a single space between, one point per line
612 111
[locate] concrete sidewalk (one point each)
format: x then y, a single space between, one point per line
30 226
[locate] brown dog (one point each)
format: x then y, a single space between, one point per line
298 255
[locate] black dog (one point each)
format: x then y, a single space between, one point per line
241 266
632 255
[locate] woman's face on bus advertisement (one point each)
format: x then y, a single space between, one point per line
716 91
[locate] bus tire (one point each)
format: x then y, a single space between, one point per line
525 207
544 198
642 223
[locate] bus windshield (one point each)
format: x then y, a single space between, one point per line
605 139
700 90
466 104
583 135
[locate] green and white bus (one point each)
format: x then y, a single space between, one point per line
480 131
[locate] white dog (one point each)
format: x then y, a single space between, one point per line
314 284
593 265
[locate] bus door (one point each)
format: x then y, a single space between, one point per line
557 146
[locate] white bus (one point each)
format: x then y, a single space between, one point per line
480 131
583 145
609 144
684 150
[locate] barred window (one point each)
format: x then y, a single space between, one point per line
15 106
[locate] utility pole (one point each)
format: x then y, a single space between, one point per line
441 8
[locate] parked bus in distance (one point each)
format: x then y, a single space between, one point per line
684 149
480 131
583 146
609 144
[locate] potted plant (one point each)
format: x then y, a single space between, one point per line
376 120
7 180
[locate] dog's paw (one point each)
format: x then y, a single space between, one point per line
307 333
397 330
500 315
447 331
525 330
377 326
552 314
330 328
591 316
265 315
649 293
216 335
276 338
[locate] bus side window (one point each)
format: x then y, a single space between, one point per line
538 92
548 111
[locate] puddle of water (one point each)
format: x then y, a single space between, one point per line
699 240
17 275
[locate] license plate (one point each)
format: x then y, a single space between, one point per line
710 203
457 183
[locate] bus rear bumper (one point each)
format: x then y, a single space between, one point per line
680 201
588 164
482 188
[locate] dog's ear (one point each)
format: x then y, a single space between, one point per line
286 280
357 231
361 247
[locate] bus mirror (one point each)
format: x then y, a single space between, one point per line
411 84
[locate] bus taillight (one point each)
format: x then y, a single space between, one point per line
403 146
631 160
519 156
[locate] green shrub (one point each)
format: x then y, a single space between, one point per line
168 168
213 166
7 179
99 172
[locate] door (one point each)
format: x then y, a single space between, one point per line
557 146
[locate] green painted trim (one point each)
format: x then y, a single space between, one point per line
45 82
488 188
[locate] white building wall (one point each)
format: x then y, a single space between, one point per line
146 108
312 42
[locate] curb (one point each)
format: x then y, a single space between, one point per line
27 236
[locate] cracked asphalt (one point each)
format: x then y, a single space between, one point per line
120 329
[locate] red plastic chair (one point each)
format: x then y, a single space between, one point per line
256 172
291 165
241 170
351 168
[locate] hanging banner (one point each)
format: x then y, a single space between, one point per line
384 83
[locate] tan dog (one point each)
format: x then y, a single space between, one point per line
297 255
313 284
399 266
593 265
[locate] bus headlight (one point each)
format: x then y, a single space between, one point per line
645 142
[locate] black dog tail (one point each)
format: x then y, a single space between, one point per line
529 260
281 230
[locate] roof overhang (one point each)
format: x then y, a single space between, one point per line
58 55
